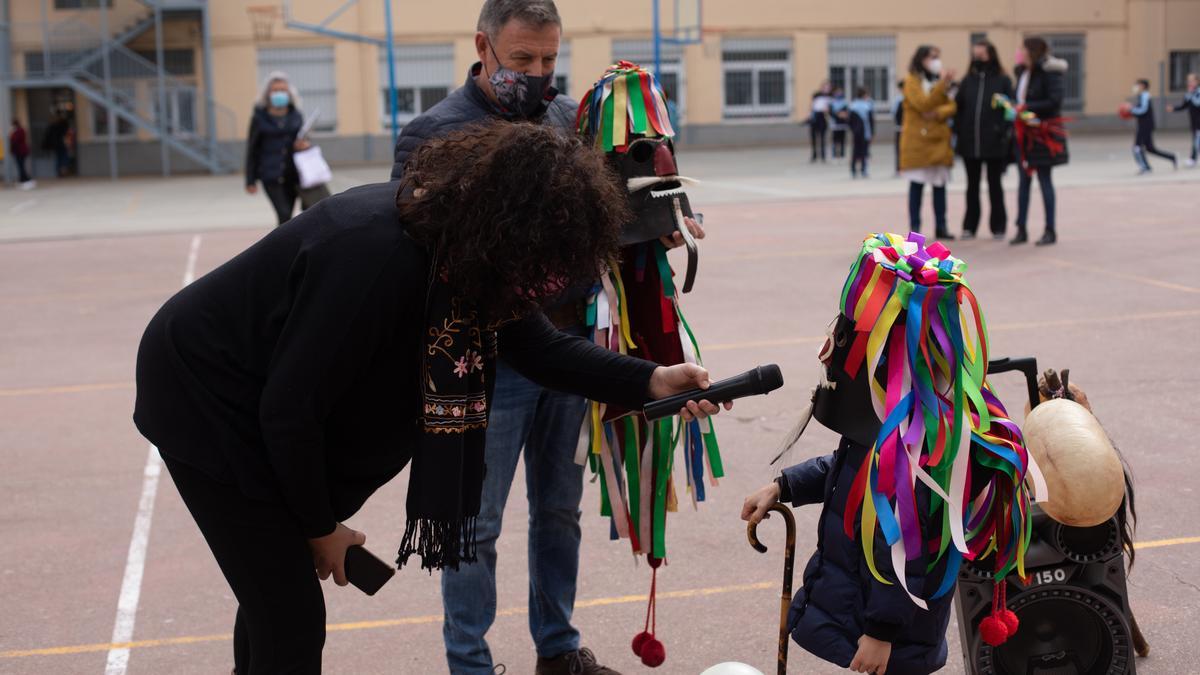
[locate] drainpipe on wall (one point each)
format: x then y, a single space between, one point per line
108 94
210 109
5 90
159 60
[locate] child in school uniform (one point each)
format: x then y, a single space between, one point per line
1143 140
862 129
1191 103
838 114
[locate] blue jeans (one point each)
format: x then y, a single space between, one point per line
1024 187
546 424
915 190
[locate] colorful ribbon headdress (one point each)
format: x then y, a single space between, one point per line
920 334
626 100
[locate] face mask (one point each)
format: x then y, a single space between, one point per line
519 93
1136 90
279 99
934 66
979 64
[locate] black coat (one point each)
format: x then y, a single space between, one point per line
981 132
466 105
269 146
1044 98
292 371
841 600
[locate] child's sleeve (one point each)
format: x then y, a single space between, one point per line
888 609
1143 105
805 483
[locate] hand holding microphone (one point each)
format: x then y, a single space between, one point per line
687 390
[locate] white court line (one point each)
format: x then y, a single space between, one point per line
21 206
135 562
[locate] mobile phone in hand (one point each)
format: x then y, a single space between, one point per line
367 572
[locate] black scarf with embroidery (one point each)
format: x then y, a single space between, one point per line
446 478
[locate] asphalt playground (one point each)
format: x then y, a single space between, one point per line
103 571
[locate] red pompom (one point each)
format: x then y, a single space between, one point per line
1010 621
639 641
993 630
653 653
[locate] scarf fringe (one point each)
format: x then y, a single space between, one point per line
440 543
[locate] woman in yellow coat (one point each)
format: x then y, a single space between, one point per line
925 151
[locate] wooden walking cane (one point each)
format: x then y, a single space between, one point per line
789 554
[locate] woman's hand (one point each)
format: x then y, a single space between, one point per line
675 239
755 508
301 144
670 380
252 189
329 552
872 656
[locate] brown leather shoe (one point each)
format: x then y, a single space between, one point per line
581 662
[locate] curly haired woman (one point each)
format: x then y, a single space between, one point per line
287 385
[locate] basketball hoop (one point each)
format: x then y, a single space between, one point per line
262 20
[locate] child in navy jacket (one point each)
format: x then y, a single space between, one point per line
1143 141
1191 103
862 127
877 592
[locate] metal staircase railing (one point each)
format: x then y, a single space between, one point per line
74 53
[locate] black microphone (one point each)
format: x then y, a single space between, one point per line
761 380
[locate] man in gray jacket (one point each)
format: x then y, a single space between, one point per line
517 43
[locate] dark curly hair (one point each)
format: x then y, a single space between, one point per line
517 212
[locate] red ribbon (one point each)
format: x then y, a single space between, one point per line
1048 132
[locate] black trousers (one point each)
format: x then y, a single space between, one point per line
998 215
816 134
283 198
280 623
1143 144
861 151
22 174
839 142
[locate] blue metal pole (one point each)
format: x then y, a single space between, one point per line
657 43
391 57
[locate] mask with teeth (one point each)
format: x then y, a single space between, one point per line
647 168
639 144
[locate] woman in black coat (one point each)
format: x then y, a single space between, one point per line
983 136
1040 90
270 143
290 383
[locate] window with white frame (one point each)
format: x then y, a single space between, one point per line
1070 48
180 109
424 75
863 61
125 95
562 69
757 77
671 78
311 72
1182 63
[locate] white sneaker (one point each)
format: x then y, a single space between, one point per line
1189 163
29 185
